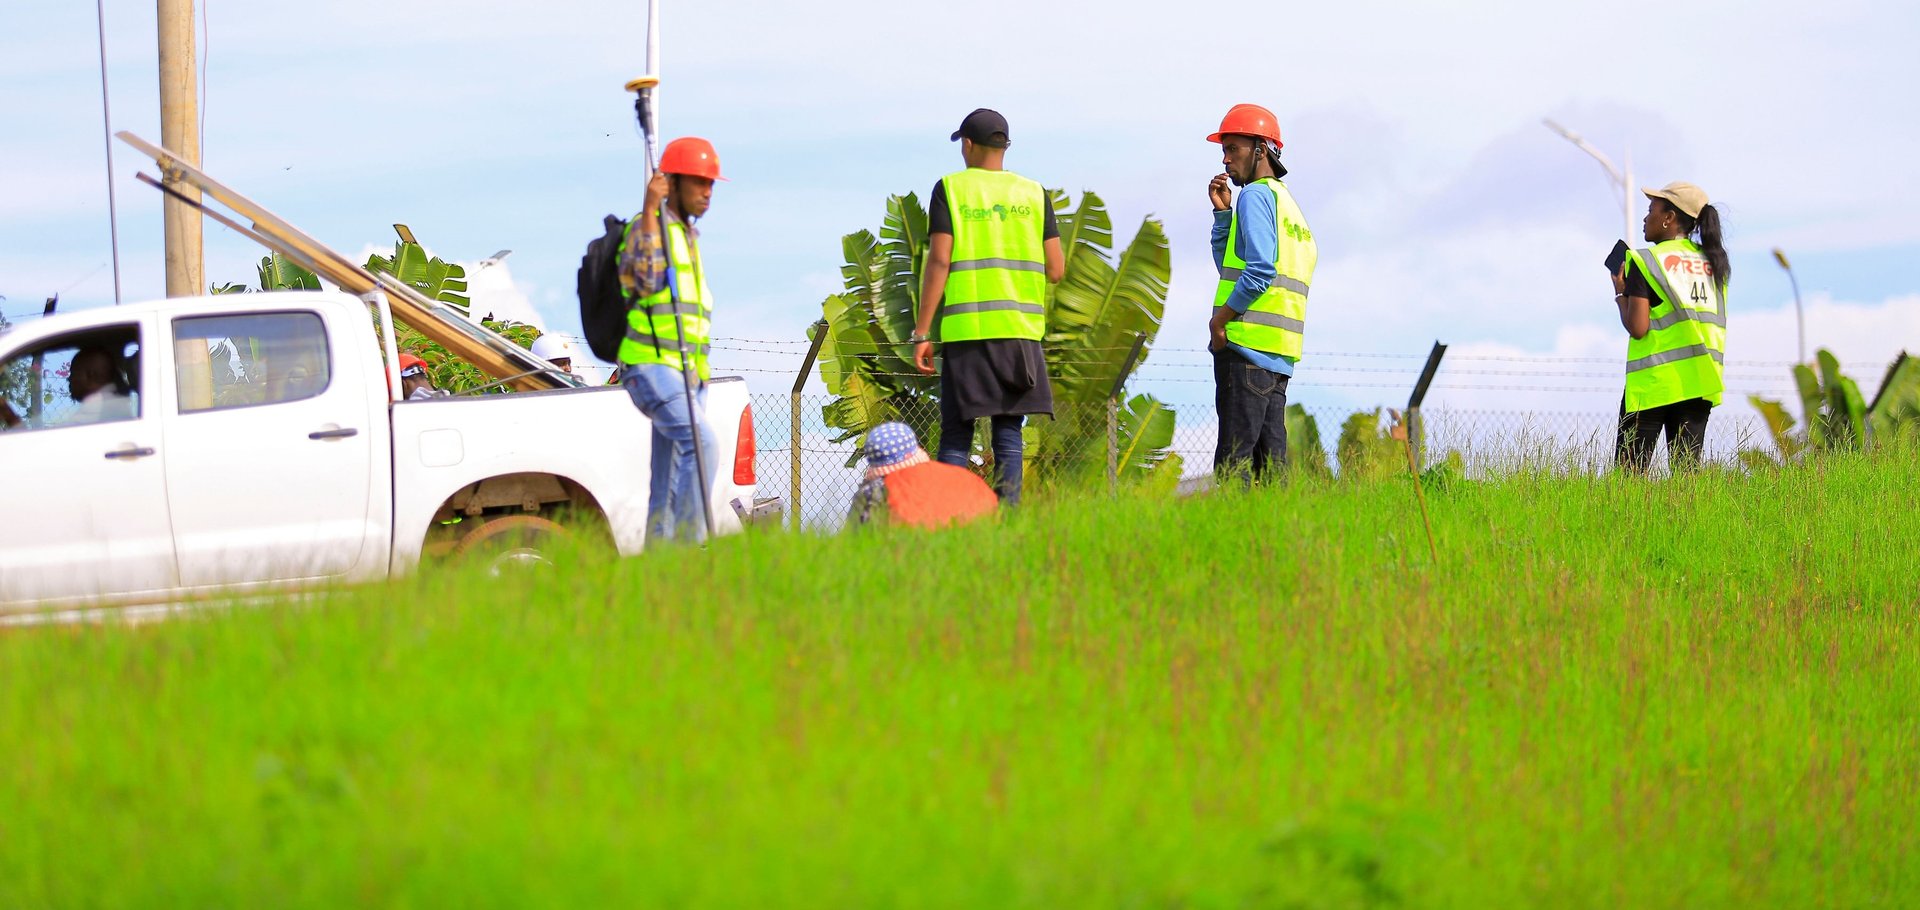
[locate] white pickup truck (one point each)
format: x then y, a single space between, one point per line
251 442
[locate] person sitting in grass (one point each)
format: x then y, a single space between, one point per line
904 486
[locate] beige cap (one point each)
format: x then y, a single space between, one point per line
1682 195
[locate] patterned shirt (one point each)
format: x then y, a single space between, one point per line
643 259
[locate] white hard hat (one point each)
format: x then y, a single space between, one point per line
552 347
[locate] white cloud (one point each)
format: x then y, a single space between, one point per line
493 291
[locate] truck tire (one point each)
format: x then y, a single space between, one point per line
511 542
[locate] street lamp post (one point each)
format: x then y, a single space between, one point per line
1799 315
1622 180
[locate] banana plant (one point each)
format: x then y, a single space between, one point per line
1786 443
1836 415
1835 418
276 273
430 275
1093 317
1894 417
280 273
450 373
446 282
436 278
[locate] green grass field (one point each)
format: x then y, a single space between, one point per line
1701 692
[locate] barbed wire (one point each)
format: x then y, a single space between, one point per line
763 346
1491 437
1372 355
1317 384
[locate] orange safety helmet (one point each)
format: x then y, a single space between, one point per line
692 156
1249 120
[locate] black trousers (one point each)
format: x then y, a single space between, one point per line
1252 405
1683 422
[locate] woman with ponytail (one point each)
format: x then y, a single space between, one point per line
1672 299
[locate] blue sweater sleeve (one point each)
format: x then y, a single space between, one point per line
1257 244
1222 222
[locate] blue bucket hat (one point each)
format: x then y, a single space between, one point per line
890 444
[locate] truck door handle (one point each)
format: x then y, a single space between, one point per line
130 453
337 433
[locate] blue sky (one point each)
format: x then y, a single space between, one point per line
1442 207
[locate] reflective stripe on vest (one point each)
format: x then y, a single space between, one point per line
655 322
1287 282
1683 355
997 283
1276 323
1677 354
1017 265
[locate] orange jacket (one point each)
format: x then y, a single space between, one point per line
934 495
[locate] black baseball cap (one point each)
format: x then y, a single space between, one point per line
984 127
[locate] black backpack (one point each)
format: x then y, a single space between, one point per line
603 308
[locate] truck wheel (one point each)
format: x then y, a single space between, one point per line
511 543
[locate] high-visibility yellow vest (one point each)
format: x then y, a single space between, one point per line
997 285
652 336
1683 356
1277 321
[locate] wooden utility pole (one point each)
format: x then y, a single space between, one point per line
180 131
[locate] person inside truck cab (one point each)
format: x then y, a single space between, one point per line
94 381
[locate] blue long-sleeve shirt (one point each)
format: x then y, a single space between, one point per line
1256 244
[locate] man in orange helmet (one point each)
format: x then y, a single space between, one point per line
668 331
1265 256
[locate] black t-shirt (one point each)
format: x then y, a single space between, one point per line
940 219
1638 286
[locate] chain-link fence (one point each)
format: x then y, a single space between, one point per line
815 468
37 391
1559 418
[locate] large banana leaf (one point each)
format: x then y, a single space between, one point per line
1100 308
866 357
862 269
863 406
835 366
436 278
1812 402
278 273
1779 426
1846 411
1087 227
1896 408
1145 431
885 316
1122 298
904 236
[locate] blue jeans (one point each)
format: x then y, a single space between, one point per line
1252 405
956 443
674 500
